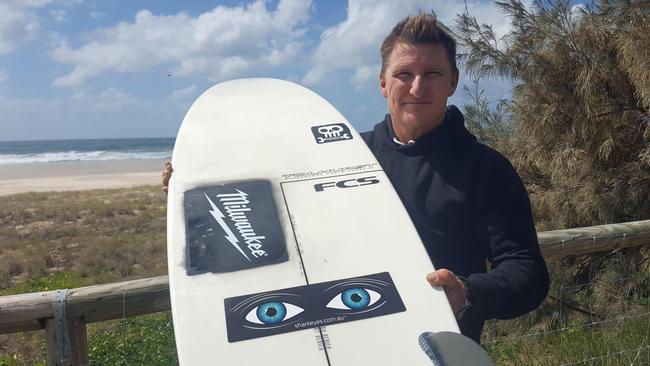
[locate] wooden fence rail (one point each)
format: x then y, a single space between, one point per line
63 314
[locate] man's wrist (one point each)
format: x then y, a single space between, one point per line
468 298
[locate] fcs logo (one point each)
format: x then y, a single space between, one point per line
348 183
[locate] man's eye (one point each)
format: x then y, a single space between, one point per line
354 299
273 312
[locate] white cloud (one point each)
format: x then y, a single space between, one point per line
184 95
354 44
4 82
4 77
113 98
365 74
17 25
20 20
96 15
109 99
222 43
59 15
28 3
109 113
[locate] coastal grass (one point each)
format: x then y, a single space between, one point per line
143 340
81 238
62 240
58 240
621 341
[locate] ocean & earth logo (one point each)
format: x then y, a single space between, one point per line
331 133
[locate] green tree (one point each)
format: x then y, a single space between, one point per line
580 104
488 120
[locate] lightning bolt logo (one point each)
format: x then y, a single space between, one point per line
229 234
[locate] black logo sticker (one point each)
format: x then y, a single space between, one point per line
331 133
231 227
327 303
346 183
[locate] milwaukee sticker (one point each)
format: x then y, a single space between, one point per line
232 227
331 133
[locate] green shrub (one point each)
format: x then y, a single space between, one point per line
144 340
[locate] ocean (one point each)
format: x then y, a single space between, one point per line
51 151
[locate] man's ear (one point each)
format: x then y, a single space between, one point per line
454 83
382 86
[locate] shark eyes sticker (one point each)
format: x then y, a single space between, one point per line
272 313
327 303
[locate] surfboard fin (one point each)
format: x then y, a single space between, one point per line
453 349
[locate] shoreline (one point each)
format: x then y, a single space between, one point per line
79 175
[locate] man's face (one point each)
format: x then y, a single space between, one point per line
416 84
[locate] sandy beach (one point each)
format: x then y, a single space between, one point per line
78 175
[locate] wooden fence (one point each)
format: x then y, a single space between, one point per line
63 314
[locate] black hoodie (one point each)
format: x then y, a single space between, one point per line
469 206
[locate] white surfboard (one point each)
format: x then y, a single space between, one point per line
287 244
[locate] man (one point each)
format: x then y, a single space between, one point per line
465 199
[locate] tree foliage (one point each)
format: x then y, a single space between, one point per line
488 120
580 105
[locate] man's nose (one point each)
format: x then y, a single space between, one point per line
417 87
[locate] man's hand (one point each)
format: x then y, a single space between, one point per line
166 175
453 287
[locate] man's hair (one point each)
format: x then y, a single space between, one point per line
419 29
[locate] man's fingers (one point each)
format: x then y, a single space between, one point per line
441 277
167 169
166 175
454 289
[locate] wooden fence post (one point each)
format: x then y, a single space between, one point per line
57 353
66 337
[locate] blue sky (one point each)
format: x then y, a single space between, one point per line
119 68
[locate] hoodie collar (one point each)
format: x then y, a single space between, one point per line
451 131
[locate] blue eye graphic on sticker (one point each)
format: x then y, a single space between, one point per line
269 310
357 298
272 313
